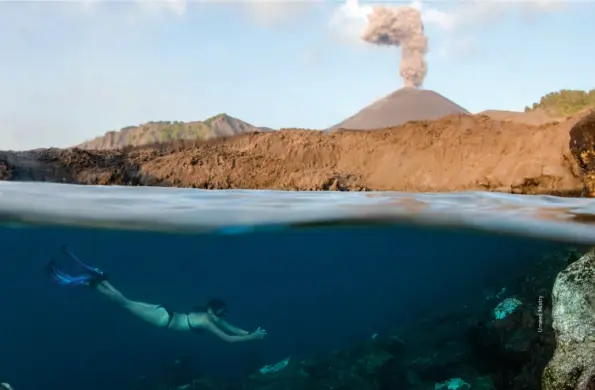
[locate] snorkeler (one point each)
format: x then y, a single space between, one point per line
209 317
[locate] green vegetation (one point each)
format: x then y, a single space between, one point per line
209 120
179 130
160 132
565 102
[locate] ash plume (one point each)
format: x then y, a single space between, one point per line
401 27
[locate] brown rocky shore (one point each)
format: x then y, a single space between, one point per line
456 153
582 147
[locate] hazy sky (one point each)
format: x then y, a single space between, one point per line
72 70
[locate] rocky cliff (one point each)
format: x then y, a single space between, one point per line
455 153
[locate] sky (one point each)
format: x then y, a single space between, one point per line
72 70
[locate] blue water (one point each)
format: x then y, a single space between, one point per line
318 270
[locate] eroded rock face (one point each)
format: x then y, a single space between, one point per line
582 147
573 364
455 153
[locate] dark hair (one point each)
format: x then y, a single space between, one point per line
216 305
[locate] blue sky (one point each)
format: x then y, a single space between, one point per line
73 70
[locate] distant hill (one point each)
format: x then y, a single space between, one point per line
221 125
565 102
401 106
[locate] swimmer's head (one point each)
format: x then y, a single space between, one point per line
217 307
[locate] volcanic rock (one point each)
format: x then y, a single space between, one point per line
582 147
401 106
573 313
456 153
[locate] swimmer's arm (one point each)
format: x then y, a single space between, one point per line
211 327
231 329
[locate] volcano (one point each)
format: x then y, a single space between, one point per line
403 105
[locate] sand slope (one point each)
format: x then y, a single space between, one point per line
403 105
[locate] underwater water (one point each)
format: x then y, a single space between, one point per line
318 271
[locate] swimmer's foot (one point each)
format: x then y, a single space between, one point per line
91 277
62 278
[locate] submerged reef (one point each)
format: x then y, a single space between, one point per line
505 344
573 364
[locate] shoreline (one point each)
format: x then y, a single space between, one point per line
455 153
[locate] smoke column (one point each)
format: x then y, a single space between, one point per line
401 27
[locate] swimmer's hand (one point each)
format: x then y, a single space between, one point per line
258 334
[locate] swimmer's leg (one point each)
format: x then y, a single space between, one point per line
154 314
93 277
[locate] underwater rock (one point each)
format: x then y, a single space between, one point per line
573 364
179 374
453 384
368 366
506 308
274 368
516 348
292 376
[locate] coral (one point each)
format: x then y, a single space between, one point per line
452 384
506 307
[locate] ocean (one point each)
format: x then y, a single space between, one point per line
320 271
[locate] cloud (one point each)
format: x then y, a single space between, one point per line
349 20
259 11
265 13
478 13
178 7
271 13
433 16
